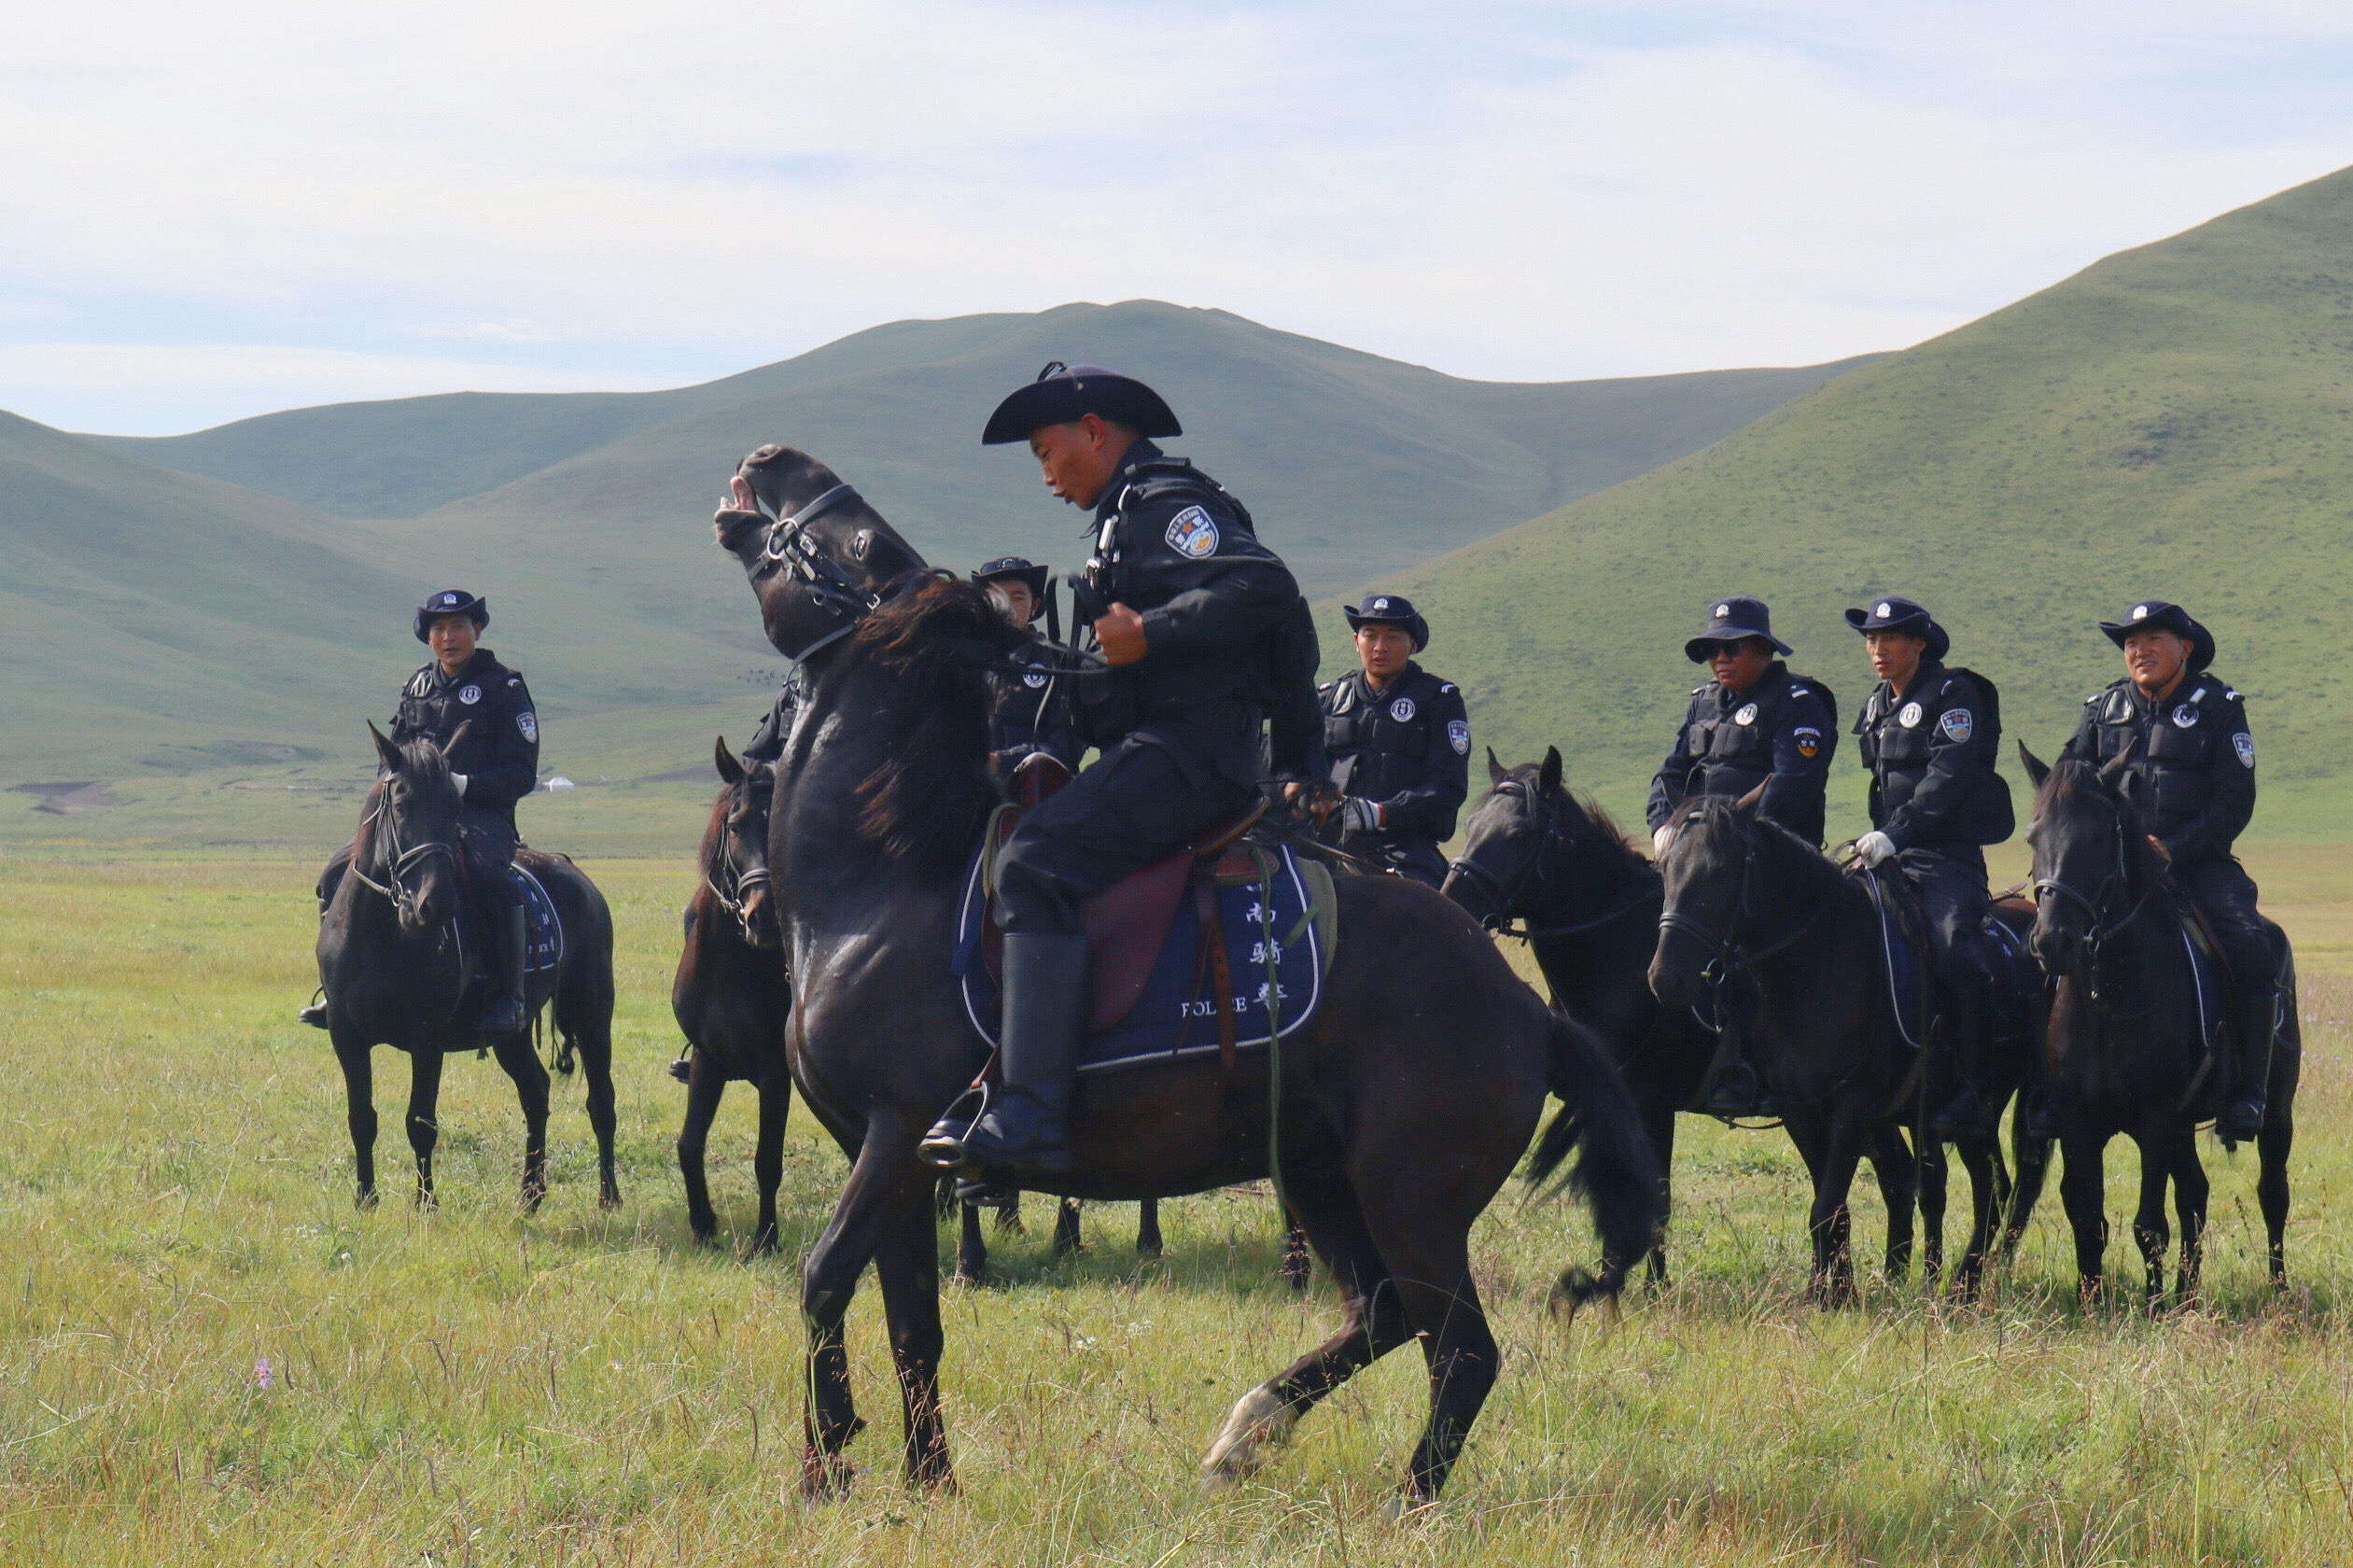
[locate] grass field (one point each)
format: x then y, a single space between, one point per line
206 1355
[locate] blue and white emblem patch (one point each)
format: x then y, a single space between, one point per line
1035 679
1910 717
2184 716
1958 723
1402 710
1193 533
469 694
528 722
2244 743
1458 735
1747 715
1809 741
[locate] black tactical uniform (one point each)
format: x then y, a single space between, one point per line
2192 778
1179 735
1937 798
1780 733
1404 749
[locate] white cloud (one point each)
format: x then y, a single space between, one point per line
608 195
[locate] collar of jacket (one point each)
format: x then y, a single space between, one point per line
479 668
1364 683
1769 684
1926 679
1144 450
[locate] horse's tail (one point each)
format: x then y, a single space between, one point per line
1616 1172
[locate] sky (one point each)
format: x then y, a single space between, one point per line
212 212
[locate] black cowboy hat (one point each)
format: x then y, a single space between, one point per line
1014 565
1734 619
450 601
1896 613
1062 393
1392 610
2165 617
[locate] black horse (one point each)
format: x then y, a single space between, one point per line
1751 901
398 955
1394 1118
1588 905
731 995
2127 1050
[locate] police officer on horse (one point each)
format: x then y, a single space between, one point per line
1755 724
494 763
1399 743
1200 629
1029 710
1928 736
2192 777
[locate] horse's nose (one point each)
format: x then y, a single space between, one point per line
2054 949
1674 983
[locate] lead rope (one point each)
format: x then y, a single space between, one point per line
1271 956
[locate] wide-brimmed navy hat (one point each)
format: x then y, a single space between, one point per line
2156 614
1062 393
1734 619
1896 613
1394 610
451 601
1014 565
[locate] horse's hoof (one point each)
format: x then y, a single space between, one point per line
966 1278
1412 1505
366 1199
1261 1420
825 1478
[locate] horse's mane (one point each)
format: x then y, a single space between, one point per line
927 802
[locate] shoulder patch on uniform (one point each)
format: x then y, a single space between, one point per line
528 722
1958 723
2233 695
2244 743
1192 534
1809 741
1458 735
1445 686
1802 691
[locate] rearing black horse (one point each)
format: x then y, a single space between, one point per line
1398 1113
396 972
2127 1049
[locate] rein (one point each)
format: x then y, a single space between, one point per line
2100 928
399 862
830 587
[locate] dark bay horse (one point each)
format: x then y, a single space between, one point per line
1588 905
1394 1118
731 995
1749 899
397 961
2126 1047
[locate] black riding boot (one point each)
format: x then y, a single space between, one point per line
2243 1117
1045 1013
504 1013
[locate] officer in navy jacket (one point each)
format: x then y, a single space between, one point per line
480 713
1398 741
1030 712
1929 735
1755 723
2192 778
1202 634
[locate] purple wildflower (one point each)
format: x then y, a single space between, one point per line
261 1373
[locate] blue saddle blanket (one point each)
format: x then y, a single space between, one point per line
1175 1014
542 929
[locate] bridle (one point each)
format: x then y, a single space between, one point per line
399 862
831 589
741 883
1723 947
2098 928
1533 880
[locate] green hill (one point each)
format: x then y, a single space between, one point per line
2176 421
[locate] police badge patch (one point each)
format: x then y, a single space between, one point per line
469 694
1034 680
528 722
1458 735
1809 741
1193 533
2184 716
1910 717
2244 743
1747 715
1402 710
1958 723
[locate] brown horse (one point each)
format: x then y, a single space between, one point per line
1394 1118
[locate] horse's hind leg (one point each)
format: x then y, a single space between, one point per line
1980 1157
1441 1301
1658 1120
2270 1185
2150 1230
1902 1184
1065 1238
522 1064
971 1252
425 1098
1148 1228
767 1154
360 1112
2189 1190
705 1084
594 1038
2080 1182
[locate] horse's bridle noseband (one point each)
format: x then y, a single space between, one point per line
740 881
399 862
2099 927
830 588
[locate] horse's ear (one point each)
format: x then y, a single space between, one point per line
1746 805
455 736
2113 769
1496 772
2037 769
387 752
1548 777
730 768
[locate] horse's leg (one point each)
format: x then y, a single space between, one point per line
425 1098
2189 1190
360 1112
2033 1155
971 1252
1374 1324
1298 1269
595 1041
1806 1137
524 1066
1832 1223
1657 1121
1430 1261
2079 1192
1980 1157
1066 1240
1148 1228
1936 1188
1009 1213
2270 1183
705 1084
907 1265
2150 1233
1898 1177
882 1177
767 1154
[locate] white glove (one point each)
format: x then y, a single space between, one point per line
1660 836
459 779
1874 848
1358 815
